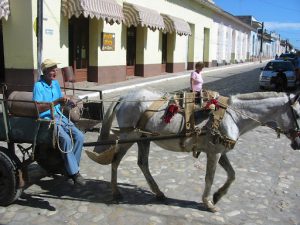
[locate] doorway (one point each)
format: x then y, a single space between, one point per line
2 67
164 49
79 47
131 51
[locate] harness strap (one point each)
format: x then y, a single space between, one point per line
189 108
218 115
178 98
153 108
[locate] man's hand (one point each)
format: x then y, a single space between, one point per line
67 100
71 103
63 100
43 106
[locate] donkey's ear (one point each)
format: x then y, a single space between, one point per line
296 98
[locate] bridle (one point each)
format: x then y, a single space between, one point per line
293 133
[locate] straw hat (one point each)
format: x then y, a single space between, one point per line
47 63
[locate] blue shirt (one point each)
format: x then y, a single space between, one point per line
42 92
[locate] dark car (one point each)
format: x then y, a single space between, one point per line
288 55
292 57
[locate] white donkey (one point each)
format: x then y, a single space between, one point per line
244 112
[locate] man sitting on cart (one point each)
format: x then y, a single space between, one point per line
47 92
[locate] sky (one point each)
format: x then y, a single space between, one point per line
281 16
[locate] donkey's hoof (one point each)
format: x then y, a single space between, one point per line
161 197
216 197
211 207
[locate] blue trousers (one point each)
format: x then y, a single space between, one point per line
71 149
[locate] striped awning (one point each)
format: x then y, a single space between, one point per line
4 9
135 15
174 24
108 10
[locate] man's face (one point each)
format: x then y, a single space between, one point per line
50 73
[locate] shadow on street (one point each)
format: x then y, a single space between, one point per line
96 191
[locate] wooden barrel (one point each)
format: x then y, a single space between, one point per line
20 104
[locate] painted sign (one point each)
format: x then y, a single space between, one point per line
49 31
108 41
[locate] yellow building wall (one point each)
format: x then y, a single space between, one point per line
95 27
191 47
56 38
55 33
147 46
20 42
18 35
190 11
109 58
141 41
152 52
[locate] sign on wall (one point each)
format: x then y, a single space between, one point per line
108 41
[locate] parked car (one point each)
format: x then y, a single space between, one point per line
273 69
298 67
290 57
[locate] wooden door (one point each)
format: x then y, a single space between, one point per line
164 48
79 47
131 51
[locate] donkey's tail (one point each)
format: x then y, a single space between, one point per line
104 154
107 121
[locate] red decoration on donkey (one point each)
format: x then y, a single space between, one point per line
171 110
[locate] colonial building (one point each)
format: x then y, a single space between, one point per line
107 41
254 45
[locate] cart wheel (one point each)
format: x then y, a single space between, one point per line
9 179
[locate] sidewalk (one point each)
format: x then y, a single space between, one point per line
141 81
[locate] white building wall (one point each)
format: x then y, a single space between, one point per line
232 40
254 45
218 43
214 42
258 46
228 44
221 43
238 46
245 46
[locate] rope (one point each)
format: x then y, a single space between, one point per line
71 136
